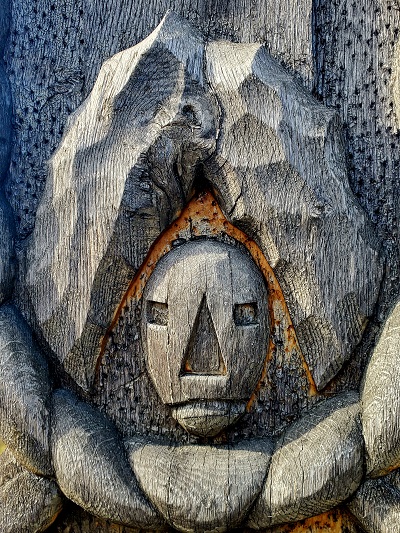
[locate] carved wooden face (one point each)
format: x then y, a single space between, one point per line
205 330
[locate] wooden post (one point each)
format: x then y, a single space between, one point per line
199 266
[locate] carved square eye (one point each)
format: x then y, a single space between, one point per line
157 313
245 314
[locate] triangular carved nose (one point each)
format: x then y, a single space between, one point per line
203 354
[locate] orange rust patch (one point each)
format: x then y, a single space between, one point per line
203 216
335 521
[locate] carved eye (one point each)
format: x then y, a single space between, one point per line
245 314
157 313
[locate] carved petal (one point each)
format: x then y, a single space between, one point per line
91 465
28 503
280 171
377 507
201 488
317 465
24 392
97 195
381 400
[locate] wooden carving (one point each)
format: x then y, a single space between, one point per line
191 300
206 331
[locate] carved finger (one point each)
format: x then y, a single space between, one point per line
28 503
91 466
201 488
24 392
317 465
376 506
381 401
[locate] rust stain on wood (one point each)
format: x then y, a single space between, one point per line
203 216
334 521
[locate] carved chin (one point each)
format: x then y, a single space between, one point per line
208 418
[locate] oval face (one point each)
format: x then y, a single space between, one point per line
206 329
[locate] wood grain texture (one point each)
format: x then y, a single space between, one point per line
91 465
5 94
97 199
9 467
28 503
317 464
24 393
201 488
336 521
355 59
283 177
206 327
381 400
376 506
52 69
7 252
56 51
395 81
286 386
287 186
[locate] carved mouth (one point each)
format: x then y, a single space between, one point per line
208 418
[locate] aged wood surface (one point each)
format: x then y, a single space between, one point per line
56 51
170 126
381 401
206 315
226 481
7 259
377 506
275 161
28 503
24 393
91 465
318 464
269 405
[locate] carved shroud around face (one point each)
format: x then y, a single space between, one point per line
205 326
273 156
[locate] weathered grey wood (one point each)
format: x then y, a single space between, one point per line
5 116
376 506
28 503
381 400
284 178
353 51
318 463
74 519
297 149
355 57
7 253
91 465
208 418
5 94
7 259
211 341
24 393
201 488
97 215
54 75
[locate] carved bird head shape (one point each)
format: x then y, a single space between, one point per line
206 331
